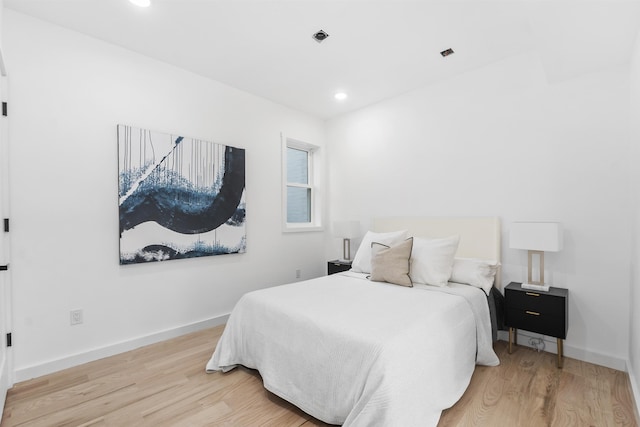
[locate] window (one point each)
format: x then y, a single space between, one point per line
298 186
300 195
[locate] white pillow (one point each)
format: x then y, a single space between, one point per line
432 260
475 272
362 261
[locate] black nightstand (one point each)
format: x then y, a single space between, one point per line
337 266
542 312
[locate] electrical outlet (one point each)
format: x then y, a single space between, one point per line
298 274
537 343
76 317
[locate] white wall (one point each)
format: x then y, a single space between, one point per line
634 299
67 93
502 141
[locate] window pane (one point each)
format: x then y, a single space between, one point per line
297 166
298 204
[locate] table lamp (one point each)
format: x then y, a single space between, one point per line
347 230
537 238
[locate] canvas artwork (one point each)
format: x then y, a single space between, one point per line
179 197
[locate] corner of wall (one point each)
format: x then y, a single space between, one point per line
635 389
633 363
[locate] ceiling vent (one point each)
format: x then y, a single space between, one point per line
446 52
320 36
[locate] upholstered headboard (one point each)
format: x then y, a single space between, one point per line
479 237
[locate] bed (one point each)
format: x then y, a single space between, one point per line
352 351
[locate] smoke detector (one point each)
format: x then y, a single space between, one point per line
320 36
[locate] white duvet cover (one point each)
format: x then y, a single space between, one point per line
360 353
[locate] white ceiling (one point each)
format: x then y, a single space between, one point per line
376 49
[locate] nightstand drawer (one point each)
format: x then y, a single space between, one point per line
337 266
536 301
535 321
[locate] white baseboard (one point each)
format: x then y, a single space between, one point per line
551 346
49 367
4 385
3 399
606 360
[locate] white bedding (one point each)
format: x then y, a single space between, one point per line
360 353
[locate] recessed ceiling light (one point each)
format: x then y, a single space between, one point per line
320 36
141 3
446 52
340 96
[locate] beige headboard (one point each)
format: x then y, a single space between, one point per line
479 237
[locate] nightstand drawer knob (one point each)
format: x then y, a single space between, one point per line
531 294
533 313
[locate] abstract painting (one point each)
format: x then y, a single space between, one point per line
179 197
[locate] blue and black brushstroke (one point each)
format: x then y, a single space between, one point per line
179 207
153 253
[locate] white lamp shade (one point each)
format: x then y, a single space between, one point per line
536 236
346 229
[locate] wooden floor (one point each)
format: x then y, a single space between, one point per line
165 385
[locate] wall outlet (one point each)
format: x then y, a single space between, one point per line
298 274
76 317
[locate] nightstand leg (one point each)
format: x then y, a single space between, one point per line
560 352
511 339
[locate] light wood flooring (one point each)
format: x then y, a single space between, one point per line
165 385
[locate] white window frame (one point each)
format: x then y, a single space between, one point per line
315 224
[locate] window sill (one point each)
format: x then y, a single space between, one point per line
288 228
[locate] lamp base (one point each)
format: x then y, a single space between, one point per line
534 287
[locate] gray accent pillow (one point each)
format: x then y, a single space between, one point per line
391 263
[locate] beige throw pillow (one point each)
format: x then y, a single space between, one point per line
391 263
362 260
